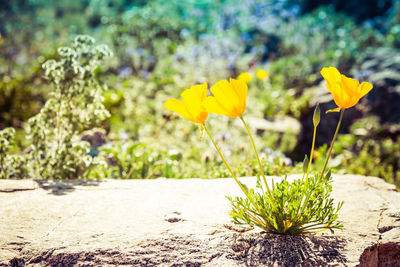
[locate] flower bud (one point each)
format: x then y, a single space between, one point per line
317 116
305 164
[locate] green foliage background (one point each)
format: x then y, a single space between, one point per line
163 47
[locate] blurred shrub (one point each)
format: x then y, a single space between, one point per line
322 38
135 160
18 98
392 25
11 166
74 106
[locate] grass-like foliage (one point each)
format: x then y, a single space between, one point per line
294 207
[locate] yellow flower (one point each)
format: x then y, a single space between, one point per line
261 74
191 108
245 77
229 98
346 91
286 225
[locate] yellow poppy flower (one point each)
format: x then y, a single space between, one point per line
245 77
191 108
261 74
346 91
286 225
229 98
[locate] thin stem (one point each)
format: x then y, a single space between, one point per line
152 172
304 174
227 165
2 164
59 114
314 226
258 158
333 141
254 217
312 152
157 133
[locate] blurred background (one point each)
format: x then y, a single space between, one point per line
163 47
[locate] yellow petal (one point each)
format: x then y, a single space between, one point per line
346 91
196 92
334 110
191 96
240 89
331 75
212 106
338 97
225 95
365 88
202 116
350 95
193 99
179 107
261 74
191 107
333 83
287 224
245 77
350 86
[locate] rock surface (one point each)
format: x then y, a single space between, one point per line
183 223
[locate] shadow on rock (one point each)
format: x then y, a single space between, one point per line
225 249
282 250
62 187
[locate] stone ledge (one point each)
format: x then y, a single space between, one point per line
17 185
167 222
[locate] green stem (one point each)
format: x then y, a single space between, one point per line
312 152
58 122
227 165
333 141
313 226
258 158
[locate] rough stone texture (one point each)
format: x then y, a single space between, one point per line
386 254
183 223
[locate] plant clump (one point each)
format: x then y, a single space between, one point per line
292 208
297 207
